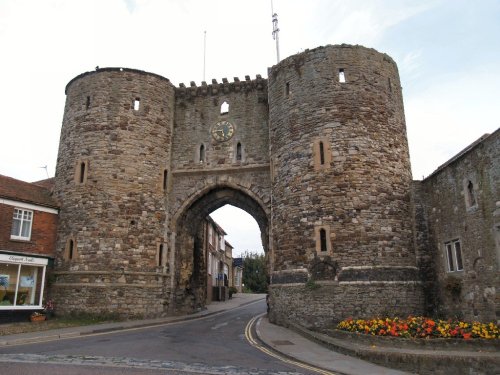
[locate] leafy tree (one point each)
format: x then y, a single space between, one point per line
254 272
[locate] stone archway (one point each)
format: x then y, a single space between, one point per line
188 257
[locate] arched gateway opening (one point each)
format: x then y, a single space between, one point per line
191 244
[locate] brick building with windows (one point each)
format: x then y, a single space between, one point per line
28 225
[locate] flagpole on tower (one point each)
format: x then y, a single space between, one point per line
204 52
276 32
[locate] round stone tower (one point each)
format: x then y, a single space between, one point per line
112 174
341 223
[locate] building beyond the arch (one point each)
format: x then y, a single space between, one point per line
317 153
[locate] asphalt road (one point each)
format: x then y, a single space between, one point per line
210 345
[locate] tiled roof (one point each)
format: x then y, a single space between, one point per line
22 191
47 183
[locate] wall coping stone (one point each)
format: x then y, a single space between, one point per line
425 359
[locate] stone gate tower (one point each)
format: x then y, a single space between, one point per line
341 188
317 153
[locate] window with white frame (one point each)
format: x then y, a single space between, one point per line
237 277
222 243
454 256
21 224
210 234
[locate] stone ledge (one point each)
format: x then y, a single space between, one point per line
426 358
224 170
106 285
379 274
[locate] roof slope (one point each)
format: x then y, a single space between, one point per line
22 191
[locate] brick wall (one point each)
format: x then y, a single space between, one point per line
43 232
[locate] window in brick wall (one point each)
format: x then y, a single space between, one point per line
87 104
454 256
137 104
224 108
21 224
287 89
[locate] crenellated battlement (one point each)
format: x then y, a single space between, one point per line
225 86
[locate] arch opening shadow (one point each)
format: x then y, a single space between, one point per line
191 243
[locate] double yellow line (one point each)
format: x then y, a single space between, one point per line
255 344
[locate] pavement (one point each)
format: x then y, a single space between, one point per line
282 340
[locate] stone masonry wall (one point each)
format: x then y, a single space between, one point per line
115 141
357 191
449 215
363 194
199 187
327 303
321 164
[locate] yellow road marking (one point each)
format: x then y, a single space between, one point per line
255 344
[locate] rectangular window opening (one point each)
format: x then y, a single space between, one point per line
458 255
287 89
87 105
21 224
137 102
449 252
341 75
165 179
321 153
160 255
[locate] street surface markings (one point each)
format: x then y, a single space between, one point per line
272 353
97 332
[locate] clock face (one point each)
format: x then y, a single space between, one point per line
223 131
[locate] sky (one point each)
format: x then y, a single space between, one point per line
447 51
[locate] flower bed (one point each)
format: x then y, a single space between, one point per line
421 327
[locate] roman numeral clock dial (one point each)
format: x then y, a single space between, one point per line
223 131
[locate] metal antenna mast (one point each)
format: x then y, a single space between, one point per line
45 167
204 52
276 32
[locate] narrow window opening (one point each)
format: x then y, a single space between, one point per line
160 255
238 151
341 75
202 153
71 246
471 195
82 172
224 108
165 179
449 251
287 89
321 153
137 103
322 239
87 105
389 84
458 255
